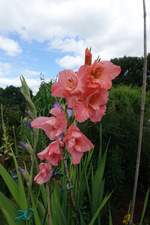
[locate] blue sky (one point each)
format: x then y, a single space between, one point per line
35 59
46 36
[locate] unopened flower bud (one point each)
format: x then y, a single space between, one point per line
56 104
23 145
69 112
26 146
25 174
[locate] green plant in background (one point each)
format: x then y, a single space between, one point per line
5 149
121 125
14 106
43 99
131 70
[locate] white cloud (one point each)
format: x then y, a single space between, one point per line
70 62
111 28
29 73
9 46
32 77
70 45
33 83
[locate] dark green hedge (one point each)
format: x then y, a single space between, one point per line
121 124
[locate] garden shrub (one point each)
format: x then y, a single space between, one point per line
121 124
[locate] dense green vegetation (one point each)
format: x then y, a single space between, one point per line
132 70
14 107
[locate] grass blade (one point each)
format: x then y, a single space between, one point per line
103 203
144 207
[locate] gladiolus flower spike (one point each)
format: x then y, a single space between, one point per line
86 93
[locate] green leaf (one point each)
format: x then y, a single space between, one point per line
98 184
26 93
22 195
103 203
145 207
16 190
9 219
57 215
9 209
8 205
110 217
11 184
35 211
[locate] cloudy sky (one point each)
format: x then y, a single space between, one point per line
45 36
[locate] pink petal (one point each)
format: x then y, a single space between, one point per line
45 173
76 157
39 121
97 115
81 112
84 144
96 99
53 126
56 111
43 154
80 142
45 123
110 70
57 90
52 153
66 85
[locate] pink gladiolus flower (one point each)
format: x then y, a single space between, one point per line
91 106
103 73
88 57
44 174
52 153
99 74
53 126
96 103
68 84
77 143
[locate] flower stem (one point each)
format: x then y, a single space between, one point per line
48 202
143 98
69 183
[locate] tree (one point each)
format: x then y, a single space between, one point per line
132 70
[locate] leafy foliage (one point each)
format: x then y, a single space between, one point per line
131 70
14 106
121 124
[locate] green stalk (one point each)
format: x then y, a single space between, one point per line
143 98
48 204
69 183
